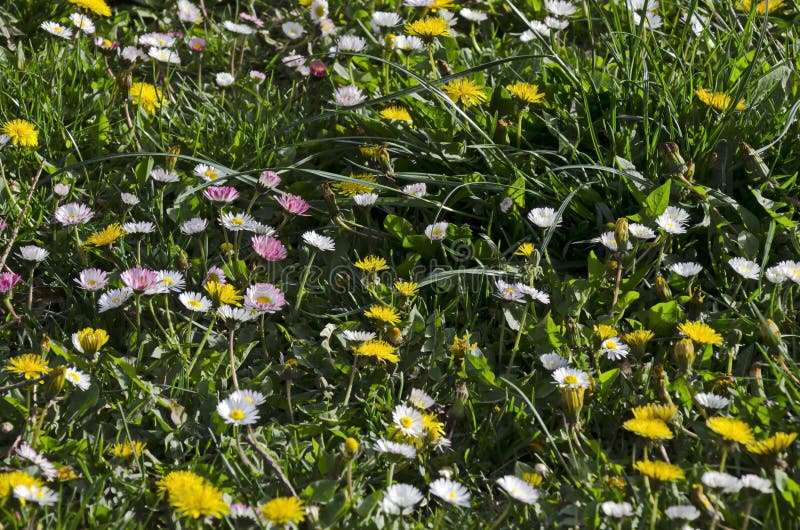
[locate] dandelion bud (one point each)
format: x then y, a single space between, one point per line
172 160
55 381
621 234
350 446
663 381
662 288
684 354
572 399
690 167
459 405
44 344
542 469
183 261
389 41
676 165
396 336
771 333
753 162
226 248
290 369
89 341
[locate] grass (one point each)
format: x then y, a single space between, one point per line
621 135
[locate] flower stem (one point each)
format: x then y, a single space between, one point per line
502 517
302 291
200 346
350 382
519 337
232 359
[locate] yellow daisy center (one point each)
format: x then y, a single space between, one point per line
237 414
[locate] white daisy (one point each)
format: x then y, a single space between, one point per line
224 79
39 495
553 361
293 30
711 401
436 231
472 15
560 8
82 22
158 40
536 26
27 452
555 23
745 268
617 510
395 448
641 231
78 378
113 298
408 420
519 489
790 270
73 213
451 491
164 55
251 396
408 43
188 12
610 242
318 241
139 227
163 175
420 399
757 483
724 482
384 19
194 226
92 279
358 336
235 314
686 512
509 292
571 378
400 499
195 302
686 268
351 44
33 253
535 294
236 222
318 10
209 173
241 29
543 217
417 190
348 96
614 349
775 274
365 199
238 411
54 28
129 199
171 281
673 220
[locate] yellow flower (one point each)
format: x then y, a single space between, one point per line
638 339
379 349
731 429
66 473
396 113
146 96
350 445
128 449
351 189
660 471
651 428
526 92
429 27
761 7
372 264
91 340
106 236
460 346
98 7
193 496
432 427
383 313
439 4
30 365
284 511
780 441
12 479
466 91
655 412
534 479
406 288
376 153
525 249
718 100
700 332
223 294
604 331
21 132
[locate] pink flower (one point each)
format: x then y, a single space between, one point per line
139 279
92 279
215 274
293 203
317 68
3 225
221 193
269 248
8 280
252 18
264 297
73 213
269 180
197 44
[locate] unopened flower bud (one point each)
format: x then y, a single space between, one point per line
44 344
389 41
172 160
621 234
396 336
350 446
662 288
676 165
770 332
684 354
572 399
56 379
753 162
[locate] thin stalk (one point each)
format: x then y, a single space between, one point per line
519 337
289 399
201 345
302 291
232 359
352 378
30 289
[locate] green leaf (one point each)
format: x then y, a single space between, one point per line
607 379
662 318
480 368
658 200
398 226
597 270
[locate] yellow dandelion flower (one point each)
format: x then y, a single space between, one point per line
461 346
655 412
718 100
761 7
12 479
465 91
375 153
66 473
379 349
428 28
98 7
223 294
351 189
396 113
106 236
439 4
660 471
638 339
731 429
432 427
372 264
780 441
525 249
91 340
146 96
700 332
383 313
526 92
406 288
604 331
283 511
128 449
193 496
534 479
30 365
651 428
351 445
21 132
